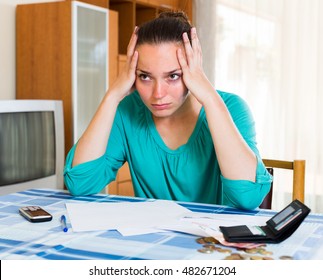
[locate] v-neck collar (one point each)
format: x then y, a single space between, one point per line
154 132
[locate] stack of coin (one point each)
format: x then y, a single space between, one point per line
207 240
260 250
209 245
236 256
259 253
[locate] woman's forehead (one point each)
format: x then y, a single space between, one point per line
152 56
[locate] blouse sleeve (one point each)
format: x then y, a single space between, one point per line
242 193
92 176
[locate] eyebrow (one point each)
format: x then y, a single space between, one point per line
142 71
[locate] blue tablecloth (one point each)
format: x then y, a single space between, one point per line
20 239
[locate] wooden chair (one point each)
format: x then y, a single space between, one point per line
298 168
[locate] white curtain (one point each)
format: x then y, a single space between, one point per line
270 52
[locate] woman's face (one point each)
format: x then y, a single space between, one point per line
159 78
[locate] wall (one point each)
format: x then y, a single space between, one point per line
8 46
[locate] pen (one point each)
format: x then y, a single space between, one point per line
63 223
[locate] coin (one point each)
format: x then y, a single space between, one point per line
251 251
245 256
256 258
210 246
234 256
200 240
205 250
211 240
224 250
286 258
264 252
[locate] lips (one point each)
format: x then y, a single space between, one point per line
163 106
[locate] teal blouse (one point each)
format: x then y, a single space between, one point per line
189 173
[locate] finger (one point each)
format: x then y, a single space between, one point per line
187 47
195 40
196 46
133 62
132 44
132 69
181 59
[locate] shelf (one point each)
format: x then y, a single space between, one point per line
133 13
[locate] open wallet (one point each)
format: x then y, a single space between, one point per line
277 229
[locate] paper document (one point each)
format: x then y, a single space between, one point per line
135 218
207 224
142 217
193 222
216 219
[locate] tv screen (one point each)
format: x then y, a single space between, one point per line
27 146
31 145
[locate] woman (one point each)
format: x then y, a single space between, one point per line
182 139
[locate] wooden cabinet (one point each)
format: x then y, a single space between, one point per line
62 53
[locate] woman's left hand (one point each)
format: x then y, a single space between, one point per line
191 64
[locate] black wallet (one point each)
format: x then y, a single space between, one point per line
278 228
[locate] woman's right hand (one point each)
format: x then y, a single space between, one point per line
124 84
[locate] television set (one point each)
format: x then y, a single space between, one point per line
31 145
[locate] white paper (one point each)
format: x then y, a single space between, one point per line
134 218
207 224
185 227
217 220
124 215
126 231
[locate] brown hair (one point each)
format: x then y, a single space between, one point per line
167 27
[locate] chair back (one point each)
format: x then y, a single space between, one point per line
298 168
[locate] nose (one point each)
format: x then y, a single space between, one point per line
159 90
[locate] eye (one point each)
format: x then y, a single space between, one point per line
174 76
144 77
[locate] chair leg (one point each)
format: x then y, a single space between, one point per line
299 180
